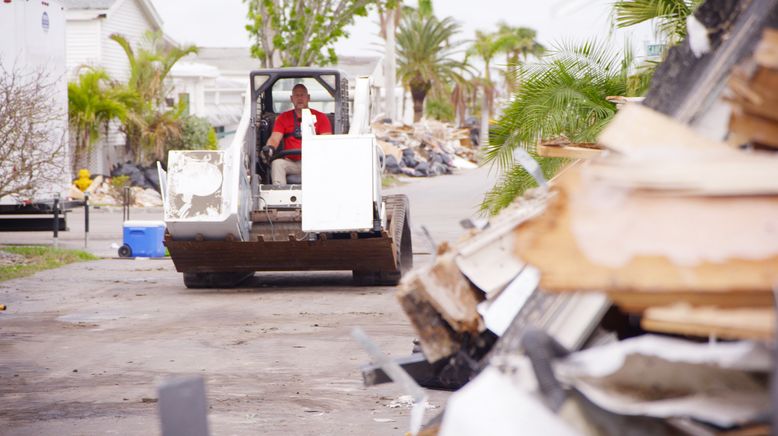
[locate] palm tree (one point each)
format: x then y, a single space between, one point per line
670 15
519 44
486 46
425 55
150 64
161 128
93 102
564 95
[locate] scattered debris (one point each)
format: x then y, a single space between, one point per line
406 402
428 148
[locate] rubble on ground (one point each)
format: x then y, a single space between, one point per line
143 184
428 148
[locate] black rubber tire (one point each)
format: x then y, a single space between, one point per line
398 210
215 279
125 251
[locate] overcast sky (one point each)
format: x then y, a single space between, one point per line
220 23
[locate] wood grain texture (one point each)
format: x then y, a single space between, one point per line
745 323
548 243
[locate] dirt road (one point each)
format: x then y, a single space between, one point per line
83 348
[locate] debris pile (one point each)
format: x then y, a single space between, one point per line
428 148
598 304
143 184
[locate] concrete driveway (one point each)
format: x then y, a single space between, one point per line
84 347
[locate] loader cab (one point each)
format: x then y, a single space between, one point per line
270 96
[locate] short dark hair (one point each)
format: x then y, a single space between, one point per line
300 85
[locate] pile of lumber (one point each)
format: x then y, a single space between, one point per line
754 87
428 148
668 233
671 229
672 219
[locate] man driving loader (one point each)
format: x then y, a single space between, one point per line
287 127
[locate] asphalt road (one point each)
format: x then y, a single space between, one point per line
84 347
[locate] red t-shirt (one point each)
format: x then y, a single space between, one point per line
285 125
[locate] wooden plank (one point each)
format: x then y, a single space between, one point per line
567 151
766 53
745 323
548 243
756 128
445 287
636 128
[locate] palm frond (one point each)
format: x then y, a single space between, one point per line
669 15
563 95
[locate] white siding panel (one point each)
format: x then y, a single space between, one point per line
130 21
83 44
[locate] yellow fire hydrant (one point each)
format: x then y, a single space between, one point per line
83 181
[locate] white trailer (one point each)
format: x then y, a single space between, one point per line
32 38
32 50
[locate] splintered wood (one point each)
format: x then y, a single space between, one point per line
754 98
639 271
649 230
562 147
441 304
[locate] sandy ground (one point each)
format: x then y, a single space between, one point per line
84 347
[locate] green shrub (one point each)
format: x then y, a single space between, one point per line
118 183
439 109
196 134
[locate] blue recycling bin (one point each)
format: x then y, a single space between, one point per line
143 239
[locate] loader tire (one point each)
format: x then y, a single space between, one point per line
398 222
215 279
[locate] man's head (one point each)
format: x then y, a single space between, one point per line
300 97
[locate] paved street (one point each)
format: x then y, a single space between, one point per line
82 348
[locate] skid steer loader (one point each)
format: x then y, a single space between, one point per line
225 220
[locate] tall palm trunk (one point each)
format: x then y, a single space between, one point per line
483 138
418 94
486 104
391 66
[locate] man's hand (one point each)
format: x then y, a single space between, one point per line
268 151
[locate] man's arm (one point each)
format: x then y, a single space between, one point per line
275 139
